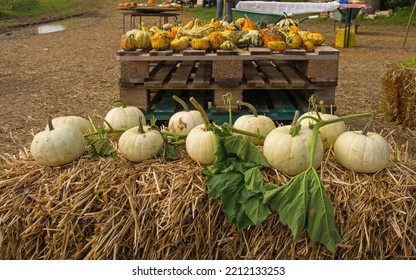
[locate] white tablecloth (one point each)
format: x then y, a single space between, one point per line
290 8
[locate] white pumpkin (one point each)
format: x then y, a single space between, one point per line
184 121
366 152
291 154
57 145
201 145
82 124
140 143
328 133
254 124
124 117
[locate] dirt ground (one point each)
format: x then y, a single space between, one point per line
75 72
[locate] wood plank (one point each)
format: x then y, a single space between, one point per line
202 78
160 74
166 105
273 76
228 52
289 51
296 79
161 53
130 53
324 49
259 51
180 77
258 99
252 76
282 104
192 52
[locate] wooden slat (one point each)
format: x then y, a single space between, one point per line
203 74
282 104
252 76
160 74
193 52
324 49
166 105
289 51
257 99
274 77
161 53
228 52
180 77
259 51
296 79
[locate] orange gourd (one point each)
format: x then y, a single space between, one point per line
128 43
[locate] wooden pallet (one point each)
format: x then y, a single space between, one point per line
146 76
279 106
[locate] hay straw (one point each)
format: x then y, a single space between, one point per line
115 209
399 94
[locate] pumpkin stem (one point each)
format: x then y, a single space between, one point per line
180 101
227 98
201 111
367 126
120 101
50 126
141 130
250 106
295 127
323 107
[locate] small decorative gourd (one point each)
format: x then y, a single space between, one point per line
362 151
180 44
57 145
227 45
80 123
140 143
201 143
160 41
128 43
216 39
123 117
200 43
288 149
328 133
256 124
184 121
142 37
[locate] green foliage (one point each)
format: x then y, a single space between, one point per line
235 178
21 5
394 4
303 203
408 63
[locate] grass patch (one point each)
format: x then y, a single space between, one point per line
36 11
408 63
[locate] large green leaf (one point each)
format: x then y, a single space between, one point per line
256 210
245 150
291 201
254 180
321 219
228 183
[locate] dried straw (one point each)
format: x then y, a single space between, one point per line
399 94
115 209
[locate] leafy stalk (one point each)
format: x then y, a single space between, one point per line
227 98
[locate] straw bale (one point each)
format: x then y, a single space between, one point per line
114 209
399 94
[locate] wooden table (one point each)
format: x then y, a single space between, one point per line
163 15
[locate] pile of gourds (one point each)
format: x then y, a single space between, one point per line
219 34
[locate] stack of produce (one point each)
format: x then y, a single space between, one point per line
219 34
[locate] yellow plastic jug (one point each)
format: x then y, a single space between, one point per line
340 35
